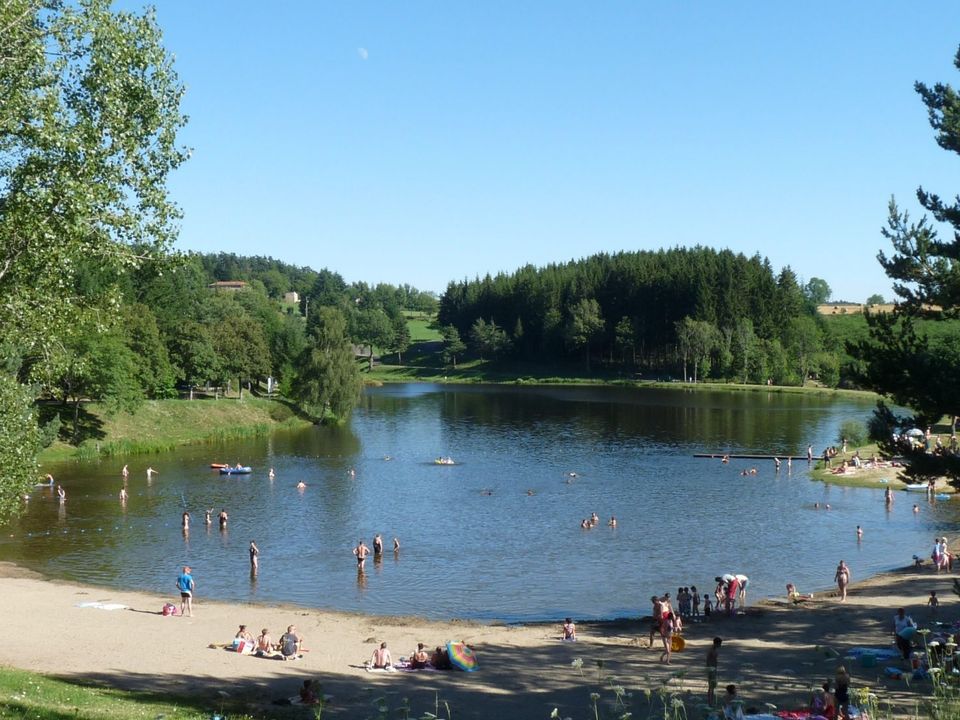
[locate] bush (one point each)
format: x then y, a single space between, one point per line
854 431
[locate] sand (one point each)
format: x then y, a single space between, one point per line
773 651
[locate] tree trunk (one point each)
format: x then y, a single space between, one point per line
370 368
240 388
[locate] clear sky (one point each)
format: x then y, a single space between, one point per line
415 142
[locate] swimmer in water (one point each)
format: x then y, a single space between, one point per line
49 479
859 532
271 474
150 473
208 517
584 524
223 517
125 472
185 521
816 506
916 508
613 522
301 485
123 495
396 545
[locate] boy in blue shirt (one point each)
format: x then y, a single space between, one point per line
186 585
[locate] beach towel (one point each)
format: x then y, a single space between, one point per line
389 669
102 605
880 653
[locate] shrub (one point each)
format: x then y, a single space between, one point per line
854 431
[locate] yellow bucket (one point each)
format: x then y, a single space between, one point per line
677 643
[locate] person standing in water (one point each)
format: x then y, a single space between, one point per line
361 551
125 472
222 518
208 517
185 521
254 556
377 545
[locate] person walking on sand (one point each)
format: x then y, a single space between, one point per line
842 577
712 658
254 556
657 615
186 585
361 551
667 626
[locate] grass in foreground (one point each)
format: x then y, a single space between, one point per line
37 697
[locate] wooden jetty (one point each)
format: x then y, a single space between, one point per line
720 456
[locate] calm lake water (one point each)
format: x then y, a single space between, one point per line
475 544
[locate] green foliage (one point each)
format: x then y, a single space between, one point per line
327 377
488 339
817 291
638 294
453 346
900 359
19 444
854 431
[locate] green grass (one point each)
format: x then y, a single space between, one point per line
421 327
161 425
37 697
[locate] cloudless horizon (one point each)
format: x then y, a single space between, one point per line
424 143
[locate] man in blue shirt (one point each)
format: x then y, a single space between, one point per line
185 585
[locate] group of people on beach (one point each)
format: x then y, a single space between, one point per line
421 658
288 647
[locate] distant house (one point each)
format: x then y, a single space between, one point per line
228 285
292 297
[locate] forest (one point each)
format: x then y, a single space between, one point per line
687 312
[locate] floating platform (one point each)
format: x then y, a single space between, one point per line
720 456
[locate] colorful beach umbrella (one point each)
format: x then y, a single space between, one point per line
461 656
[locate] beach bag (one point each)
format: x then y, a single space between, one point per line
169 609
244 646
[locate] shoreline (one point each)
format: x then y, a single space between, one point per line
774 651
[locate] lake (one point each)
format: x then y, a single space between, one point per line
496 536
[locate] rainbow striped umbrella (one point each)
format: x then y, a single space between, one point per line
461 656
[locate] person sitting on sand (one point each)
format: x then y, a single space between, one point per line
732 705
823 703
243 641
264 643
795 596
307 695
290 643
441 659
569 630
381 657
419 659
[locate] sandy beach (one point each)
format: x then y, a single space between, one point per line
773 652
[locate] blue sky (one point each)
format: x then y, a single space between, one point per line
426 142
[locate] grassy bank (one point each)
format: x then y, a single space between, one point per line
30 695
161 425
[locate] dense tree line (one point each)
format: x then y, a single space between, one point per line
701 311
